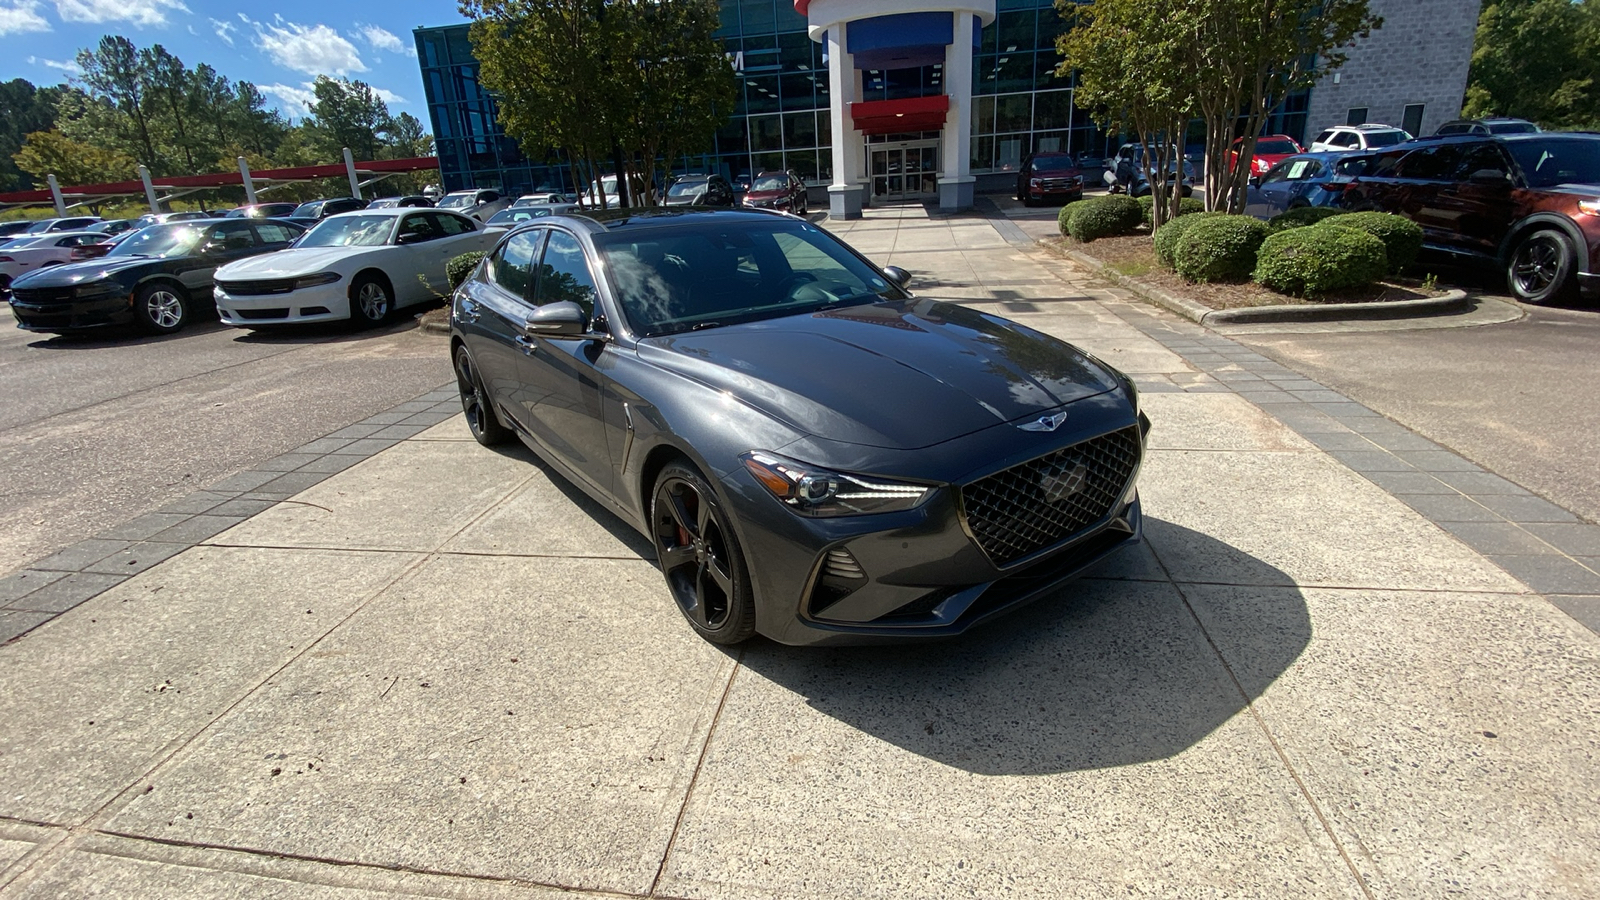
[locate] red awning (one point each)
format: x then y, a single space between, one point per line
892 116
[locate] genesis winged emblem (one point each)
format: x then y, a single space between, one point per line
1045 423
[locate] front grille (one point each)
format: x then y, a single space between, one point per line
262 313
1059 184
42 296
1045 501
257 288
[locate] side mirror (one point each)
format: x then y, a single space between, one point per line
211 248
899 276
562 319
410 238
1255 181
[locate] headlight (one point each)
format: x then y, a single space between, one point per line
96 289
320 278
1035 182
1589 207
813 491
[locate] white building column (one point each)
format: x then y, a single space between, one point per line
849 169
955 145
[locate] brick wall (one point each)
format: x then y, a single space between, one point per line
1420 55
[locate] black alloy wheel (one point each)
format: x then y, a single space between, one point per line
161 308
1541 267
482 420
700 556
370 301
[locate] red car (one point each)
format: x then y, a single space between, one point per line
777 190
1049 176
1271 149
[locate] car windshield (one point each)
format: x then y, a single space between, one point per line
1275 147
158 241
1548 163
687 189
684 278
24 242
456 201
770 183
1386 138
519 214
349 231
1513 128
1043 164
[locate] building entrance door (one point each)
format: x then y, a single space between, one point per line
904 171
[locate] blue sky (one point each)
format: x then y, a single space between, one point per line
282 51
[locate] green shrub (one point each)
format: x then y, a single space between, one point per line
1301 216
1402 238
1168 236
1309 262
1066 215
459 267
1186 206
1102 217
1220 248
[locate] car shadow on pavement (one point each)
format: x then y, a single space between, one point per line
1111 671
120 336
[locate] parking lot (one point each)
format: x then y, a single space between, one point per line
442 671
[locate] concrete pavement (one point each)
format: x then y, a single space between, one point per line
425 668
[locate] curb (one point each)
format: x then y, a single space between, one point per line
1454 301
435 321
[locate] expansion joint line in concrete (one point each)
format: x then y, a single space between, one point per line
73 835
694 778
1266 731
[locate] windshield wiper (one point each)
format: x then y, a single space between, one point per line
698 326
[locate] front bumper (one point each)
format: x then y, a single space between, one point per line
323 303
55 316
923 573
1589 285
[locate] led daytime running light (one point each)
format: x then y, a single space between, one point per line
814 491
1589 207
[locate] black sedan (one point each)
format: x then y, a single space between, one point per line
816 454
157 277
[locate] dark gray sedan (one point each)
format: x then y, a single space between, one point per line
816 454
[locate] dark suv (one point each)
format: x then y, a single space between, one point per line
700 190
777 190
1049 176
1529 203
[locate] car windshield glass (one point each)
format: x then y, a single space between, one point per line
1513 128
309 210
159 240
707 275
687 189
349 231
455 201
22 243
1275 147
1043 164
1549 163
1385 138
770 183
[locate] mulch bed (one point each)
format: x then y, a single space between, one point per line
1135 257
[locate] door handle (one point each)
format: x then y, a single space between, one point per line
528 345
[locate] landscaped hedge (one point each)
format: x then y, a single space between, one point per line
1219 248
1065 216
1302 216
1186 206
1402 238
459 267
1103 217
1307 262
1167 238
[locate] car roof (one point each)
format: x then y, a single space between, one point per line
384 211
613 220
1565 136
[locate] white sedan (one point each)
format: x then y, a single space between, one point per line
358 265
29 253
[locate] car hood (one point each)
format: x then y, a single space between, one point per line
1578 190
86 271
291 262
897 374
766 195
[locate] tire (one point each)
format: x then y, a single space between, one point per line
1540 269
482 420
161 309
700 556
371 301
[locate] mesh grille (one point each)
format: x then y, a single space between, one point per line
1045 501
42 296
257 288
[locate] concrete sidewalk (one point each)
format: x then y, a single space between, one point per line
401 664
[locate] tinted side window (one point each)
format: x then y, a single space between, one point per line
420 224
273 233
1385 166
450 224
564 274
232 236
1431 163
511 266
1485 157
1323 137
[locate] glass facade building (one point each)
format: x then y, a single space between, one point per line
1018 105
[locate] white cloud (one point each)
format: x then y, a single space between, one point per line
136 12
312 49
384 39
18 16
224 30
389 97
69 67
295 101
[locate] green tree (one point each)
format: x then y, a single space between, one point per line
635 80
175 106
115 72
1537 59
347 113
24 109
73 163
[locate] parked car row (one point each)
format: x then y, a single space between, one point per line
254 272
